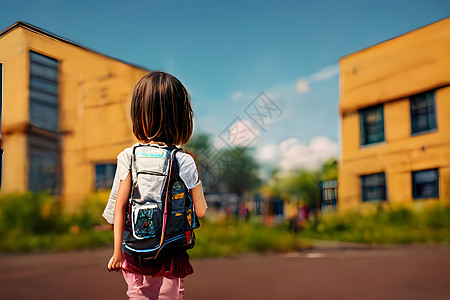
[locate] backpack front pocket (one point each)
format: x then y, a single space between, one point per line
151 169
177 215
146 220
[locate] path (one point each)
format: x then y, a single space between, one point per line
400 272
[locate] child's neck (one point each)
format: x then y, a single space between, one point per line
152 142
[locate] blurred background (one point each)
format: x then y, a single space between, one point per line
318 125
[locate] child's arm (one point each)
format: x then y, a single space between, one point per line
115 263
199 200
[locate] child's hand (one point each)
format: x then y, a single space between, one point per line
115 262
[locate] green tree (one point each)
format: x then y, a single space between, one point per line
239 170
232 170
330 170
302 185
201 147
198 144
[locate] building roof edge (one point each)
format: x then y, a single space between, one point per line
392 38
48 34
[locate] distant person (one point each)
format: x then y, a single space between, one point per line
162 116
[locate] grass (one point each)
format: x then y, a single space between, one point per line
56 242
392 225
38 222
216 239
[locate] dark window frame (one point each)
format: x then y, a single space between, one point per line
40 84
415 113
105 183
39 145
329 192
43 139
364 192
415 188
363 114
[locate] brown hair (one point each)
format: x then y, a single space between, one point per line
161 109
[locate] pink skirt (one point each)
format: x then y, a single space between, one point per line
144 287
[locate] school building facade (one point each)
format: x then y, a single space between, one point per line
65 114
395 120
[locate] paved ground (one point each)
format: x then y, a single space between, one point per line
349 272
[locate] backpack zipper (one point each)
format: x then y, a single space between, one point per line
151 173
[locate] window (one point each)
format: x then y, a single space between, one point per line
43 170
329 189
44 145
43 92
373 187
425 184
372 125
423 112
104 175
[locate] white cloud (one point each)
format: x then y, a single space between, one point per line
269 154
242 133
302 86
325 73
237 95
292 154
288 143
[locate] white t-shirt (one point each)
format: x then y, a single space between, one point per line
187 170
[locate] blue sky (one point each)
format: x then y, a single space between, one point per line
227 52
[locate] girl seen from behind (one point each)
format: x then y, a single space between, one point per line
162 116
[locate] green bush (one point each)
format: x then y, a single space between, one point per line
90 213
31 222
394 225
437 217
38 222
215 239
401 216
30 214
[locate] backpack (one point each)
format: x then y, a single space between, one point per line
160 216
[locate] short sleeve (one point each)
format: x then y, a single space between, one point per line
123 165
188 170
122 170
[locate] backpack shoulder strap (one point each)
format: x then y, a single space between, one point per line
133 170
133 162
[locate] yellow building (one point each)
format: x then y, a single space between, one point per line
65 113
395 119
